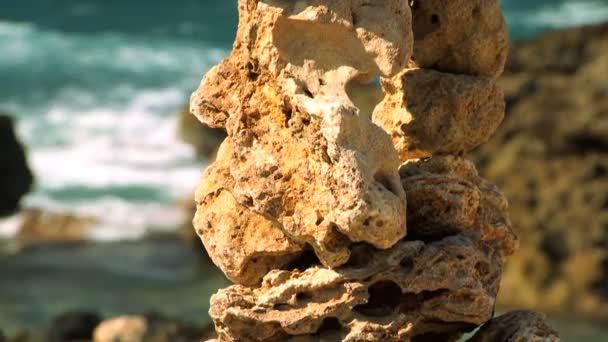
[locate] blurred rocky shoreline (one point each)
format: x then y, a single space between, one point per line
550 157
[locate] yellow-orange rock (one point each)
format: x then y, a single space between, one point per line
243 244
439 289
460 36
303 155
428 112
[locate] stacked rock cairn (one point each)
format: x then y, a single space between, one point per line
338 224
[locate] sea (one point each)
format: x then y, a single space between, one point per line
95 86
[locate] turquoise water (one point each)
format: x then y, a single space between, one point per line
161 275
95 85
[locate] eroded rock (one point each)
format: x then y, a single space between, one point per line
244 244
517 326
303 155
428 112
460 36
445 287
306 195
446 196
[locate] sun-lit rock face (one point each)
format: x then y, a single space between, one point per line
428 113
305 206
460 36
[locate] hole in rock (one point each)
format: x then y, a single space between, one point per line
384 297
434 19
385 182
307 259
330 324
361 254
407 264
303 297
365 96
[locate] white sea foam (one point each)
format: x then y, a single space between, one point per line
564 14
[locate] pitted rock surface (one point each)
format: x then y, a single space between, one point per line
460 36
446 288
427 112
305 207
243 244
303 155
447 196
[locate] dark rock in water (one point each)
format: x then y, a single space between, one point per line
149 327
15 176
73 326
550 157
204 139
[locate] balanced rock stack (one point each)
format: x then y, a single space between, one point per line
305 207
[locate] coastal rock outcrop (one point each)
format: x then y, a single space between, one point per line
332 226
550 157
16 178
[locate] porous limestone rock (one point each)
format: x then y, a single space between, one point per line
517 326
460 36
427 112
446 196
305 207
243 244
442 288
303 155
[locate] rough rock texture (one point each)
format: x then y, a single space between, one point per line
243 243
16 179
427 112
551 158
305 206
303 155
517 326
460 36
446 196
147 328
413 289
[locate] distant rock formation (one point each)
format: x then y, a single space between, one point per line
305 206
551 158
16 178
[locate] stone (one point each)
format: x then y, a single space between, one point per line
427 112
446 196
517 326
16 178
302 154
414 289
147 328
73 326
242 243
460 36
